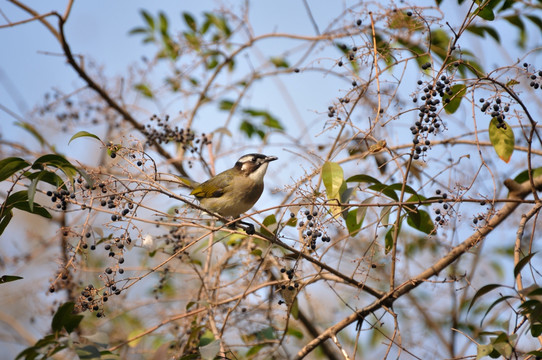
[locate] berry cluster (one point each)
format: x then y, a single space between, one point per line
312 229
497 111
66 110
479 217
164 133
536 81
429 122
292 284
90 299
331 111
164 275
66 278
176 237
350 54
61 198
444 213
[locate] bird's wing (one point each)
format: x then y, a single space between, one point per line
212 188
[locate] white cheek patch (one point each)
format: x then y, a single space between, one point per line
245 166
258 174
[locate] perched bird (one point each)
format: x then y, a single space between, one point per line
234 191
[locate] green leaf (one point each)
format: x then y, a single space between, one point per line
138 30
10 166
481 292
19 200
294 310
388 241
210 350
384 217
504 348
33 352
9 278
193 40
253 351
148 19
521 264
536 330
482 30
47 176
524 175
502 139
213 63
58 162
486 14
7 215
384 189
226 105
536 20
220 23
190 21
84 134
144 90
294 332
249 129
279 62
362 178
483 351
352 223
65 318
495 303
419 53
269 225
399 187
333 178
88 352
268 119
485 10
54 160
535 292
507 4
440 40
292 221
267 333
206 338
518 23
421 221
32 130
32 189
459 91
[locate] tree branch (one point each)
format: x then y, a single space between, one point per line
517 191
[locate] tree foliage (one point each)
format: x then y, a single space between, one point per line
391 224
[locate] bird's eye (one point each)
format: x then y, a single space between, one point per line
254 159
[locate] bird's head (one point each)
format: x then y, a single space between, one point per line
254 166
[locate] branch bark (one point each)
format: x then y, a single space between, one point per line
517 191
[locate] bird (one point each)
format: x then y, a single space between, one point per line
236 190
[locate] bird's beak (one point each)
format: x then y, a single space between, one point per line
271 158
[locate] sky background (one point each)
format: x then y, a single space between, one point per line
30 67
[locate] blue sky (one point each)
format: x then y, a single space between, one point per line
30 67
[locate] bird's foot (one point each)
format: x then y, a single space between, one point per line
248 227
